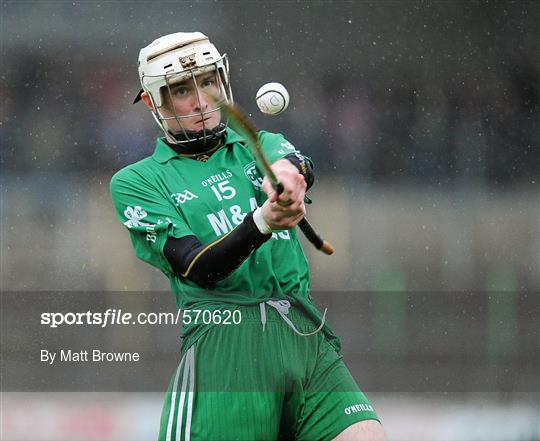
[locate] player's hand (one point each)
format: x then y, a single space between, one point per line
284 211
294 184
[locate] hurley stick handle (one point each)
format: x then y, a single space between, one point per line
317 241
311 235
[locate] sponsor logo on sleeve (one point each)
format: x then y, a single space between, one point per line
136 214
288 145
134 217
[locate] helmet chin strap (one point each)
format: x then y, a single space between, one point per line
199 142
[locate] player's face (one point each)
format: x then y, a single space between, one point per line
191 100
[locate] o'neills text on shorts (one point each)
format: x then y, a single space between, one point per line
358 408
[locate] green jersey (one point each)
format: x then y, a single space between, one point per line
168 195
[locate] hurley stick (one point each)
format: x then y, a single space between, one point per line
241 120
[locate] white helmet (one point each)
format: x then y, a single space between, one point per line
174 58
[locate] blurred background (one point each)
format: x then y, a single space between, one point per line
422 119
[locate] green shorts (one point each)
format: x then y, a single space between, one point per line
249 382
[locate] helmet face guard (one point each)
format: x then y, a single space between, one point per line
181 60
173 123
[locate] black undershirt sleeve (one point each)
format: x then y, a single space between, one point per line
207 264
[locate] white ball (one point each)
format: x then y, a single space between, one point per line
272 98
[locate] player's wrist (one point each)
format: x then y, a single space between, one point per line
260 222
303 166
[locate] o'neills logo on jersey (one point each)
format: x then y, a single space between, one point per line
253 175
358 408
180 198
217 178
